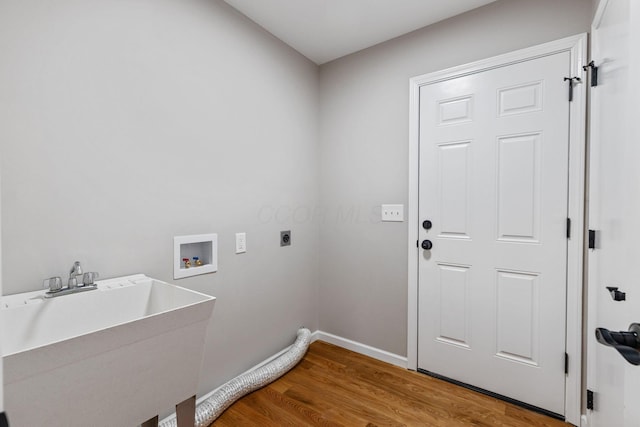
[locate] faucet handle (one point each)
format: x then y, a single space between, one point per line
53 283
89 277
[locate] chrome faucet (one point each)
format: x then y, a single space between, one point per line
55 283
76 270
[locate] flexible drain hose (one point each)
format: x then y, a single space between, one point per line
211 408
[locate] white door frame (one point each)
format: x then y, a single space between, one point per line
577 47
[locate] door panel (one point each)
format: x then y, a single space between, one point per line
518 298
453 281
454 176
523 98
519 188
493 180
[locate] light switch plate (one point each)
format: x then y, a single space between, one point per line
393 213
241 243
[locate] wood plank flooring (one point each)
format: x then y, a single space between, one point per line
335 387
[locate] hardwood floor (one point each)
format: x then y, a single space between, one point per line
332 386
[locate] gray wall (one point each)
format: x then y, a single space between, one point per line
125 123
364 154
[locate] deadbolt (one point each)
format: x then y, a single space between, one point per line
426 224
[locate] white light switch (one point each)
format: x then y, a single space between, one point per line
241 243
393 213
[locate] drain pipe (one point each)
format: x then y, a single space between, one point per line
212 407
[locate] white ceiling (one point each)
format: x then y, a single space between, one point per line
323 30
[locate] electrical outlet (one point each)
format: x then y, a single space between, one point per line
285 238
394 213
241 243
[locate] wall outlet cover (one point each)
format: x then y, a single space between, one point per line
241 243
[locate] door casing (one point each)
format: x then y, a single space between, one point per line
577 46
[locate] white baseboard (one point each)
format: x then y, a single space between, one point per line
367 350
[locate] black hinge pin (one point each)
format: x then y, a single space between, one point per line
571 80
568 228
594 73
566 363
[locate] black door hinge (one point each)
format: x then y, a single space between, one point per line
594 73
589 399
566 363
571 80
592 239
568 228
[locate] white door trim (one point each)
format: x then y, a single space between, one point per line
577 46
597 18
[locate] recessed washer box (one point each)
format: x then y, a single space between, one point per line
203 246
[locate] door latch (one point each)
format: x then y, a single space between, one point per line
616 294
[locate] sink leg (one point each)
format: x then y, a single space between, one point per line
186 412
151 422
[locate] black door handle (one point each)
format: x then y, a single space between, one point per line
426 245
626 342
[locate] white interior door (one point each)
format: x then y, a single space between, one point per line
614 209
494 156
2 415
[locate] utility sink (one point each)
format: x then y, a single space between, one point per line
116 356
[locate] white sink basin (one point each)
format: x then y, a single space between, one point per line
116 356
